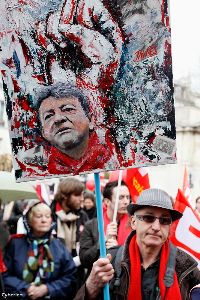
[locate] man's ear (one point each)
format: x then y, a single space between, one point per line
133 222
91 125
106 201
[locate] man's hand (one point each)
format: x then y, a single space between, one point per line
35 292
112 242
111 230
101 273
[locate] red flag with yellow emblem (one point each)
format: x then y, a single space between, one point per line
137 180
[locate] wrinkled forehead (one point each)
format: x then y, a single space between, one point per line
153 210
53 102
123 190
65 104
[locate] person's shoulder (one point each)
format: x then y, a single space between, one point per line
59 248
56 241
16 239
17 236
92 222
58 244
184 261
183 257
83 215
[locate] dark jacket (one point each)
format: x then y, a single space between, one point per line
195 294
89 244
62 280
186 269
83 218
91 213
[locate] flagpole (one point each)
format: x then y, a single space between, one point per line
101 227
117 196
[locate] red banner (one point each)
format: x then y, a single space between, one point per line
137 180
186 185
186 231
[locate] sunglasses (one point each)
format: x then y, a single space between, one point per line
151 219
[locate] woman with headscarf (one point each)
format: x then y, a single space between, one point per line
38 265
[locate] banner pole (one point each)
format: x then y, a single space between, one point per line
101 227
117 196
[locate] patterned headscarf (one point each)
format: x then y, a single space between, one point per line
39 265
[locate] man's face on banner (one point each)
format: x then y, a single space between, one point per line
64 123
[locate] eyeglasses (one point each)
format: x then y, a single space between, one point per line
151 219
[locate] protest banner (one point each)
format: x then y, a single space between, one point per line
185 232
88 85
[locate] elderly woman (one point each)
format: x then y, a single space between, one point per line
38 265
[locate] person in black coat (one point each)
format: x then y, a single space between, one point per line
89 205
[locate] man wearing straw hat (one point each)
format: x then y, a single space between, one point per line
150 267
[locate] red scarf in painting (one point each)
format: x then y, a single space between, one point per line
135 292
96 157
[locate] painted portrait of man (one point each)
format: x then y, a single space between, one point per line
70 140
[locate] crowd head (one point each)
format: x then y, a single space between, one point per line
70 194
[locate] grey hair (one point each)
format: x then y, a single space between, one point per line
62 90
34 208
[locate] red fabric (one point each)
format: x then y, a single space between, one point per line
2 265
38 190
186 185
96 156
17 235
58 207
135 291
137 180
185 232
123 228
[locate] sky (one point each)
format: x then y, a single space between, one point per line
185 25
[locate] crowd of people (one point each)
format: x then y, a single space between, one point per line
57 255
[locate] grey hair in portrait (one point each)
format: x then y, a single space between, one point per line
62 90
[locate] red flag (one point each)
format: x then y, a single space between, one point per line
137 180
42 191
186 185
185 232
38 189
